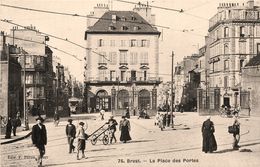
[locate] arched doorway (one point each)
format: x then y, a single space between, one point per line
123 99
102 100
144 100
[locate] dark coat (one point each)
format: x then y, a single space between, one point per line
39 135
112 124
209 143
125 128
71 130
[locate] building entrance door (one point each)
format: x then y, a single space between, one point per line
226 101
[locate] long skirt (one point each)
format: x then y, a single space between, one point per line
81 144
125 136
209 143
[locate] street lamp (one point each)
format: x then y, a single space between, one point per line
133 93
113 93
25 94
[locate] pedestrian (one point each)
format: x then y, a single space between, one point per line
156 119
71 135
161 125
209 143
56 118
125 128
127 113
14 123
8 128
39 138
236 134
102 113
81 135
112 127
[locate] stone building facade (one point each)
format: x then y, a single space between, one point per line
122 63
234 38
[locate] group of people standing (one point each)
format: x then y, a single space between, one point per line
209 143
163 120
12 124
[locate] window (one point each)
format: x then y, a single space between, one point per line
242 31
100 42
145 75
241 63
29 79
144 43
226 32
133 43
226 81
144 57
123 56
258 48
112 58
124 28
112 75
123 43
123 75
226 49
133 75
114 18
226 65
133 58
112 43
102 57
102 75
242 47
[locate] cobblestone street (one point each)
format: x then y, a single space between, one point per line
149 146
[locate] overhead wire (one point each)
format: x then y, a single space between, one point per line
50 35
43 43
78 15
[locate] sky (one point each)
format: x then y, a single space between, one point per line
194 20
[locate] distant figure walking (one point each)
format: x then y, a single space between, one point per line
81 135
102 113
236 134
71 134
56 118
125 127
209 141
39 138
127 113
8 131
112 127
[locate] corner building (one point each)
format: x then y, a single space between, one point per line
122 62
234 38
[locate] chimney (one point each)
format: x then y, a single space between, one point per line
250 4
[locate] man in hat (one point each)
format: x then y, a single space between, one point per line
39 138
71 134
112 127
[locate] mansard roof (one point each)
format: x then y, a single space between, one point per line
122 22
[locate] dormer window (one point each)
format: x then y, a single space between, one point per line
111 27
113 18
123 18
133 18
136 28
124 27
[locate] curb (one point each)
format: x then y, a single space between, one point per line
15 140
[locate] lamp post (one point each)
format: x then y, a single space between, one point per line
113 93
167 109
172 97
133 94
26 123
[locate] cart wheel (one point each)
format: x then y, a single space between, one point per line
105 139
93 140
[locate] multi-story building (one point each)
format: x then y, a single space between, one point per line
234 38
183 80
11 92
38 68
122 64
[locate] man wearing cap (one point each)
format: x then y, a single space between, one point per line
39 138
81 140
112 127
71 134
209 143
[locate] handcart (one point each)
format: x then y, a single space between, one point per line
102 134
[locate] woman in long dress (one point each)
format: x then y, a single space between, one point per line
209 143
125 127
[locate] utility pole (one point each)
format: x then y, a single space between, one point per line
172 98
26 124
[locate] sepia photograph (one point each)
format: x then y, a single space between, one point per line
130 83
